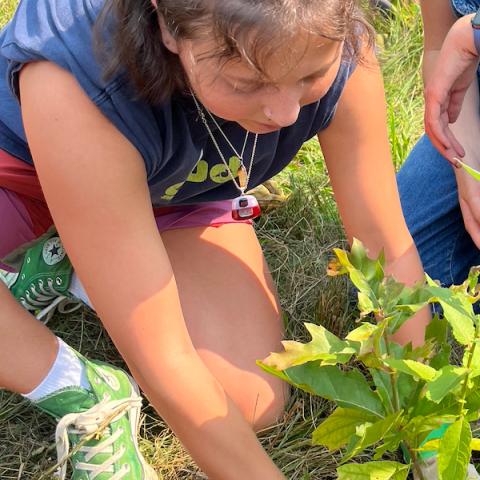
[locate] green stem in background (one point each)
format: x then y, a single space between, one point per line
393 376
471 351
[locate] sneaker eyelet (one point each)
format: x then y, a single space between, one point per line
58 281
40 282
23 276
29 259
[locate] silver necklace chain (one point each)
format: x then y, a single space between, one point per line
214 140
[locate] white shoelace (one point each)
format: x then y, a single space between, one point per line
94 420
36 299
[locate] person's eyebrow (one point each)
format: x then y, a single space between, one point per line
259 80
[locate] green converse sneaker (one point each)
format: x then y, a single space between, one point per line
97 430
44 277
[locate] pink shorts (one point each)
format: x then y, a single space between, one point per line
24 215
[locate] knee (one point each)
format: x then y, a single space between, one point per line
263 404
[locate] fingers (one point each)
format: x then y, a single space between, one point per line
437 129
445 92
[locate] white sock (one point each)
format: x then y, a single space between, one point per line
66 371
76 288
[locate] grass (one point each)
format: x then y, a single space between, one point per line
297 240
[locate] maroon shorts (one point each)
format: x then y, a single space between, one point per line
24 214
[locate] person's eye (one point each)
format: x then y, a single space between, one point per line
246 89
312 79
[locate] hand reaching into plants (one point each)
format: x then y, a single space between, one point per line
445 91
399 394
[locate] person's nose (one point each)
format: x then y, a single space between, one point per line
283 107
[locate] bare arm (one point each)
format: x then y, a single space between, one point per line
357 153
95 184
437 17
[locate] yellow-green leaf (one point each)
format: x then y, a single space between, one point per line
457 310
347 389
454 451
373 471
337 430
475 444
446 380
324 346
411 367
471 171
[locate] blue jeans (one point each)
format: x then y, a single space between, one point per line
428 192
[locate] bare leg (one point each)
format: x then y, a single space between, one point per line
232 312
27 347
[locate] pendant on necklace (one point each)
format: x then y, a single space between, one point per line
245 207
242 176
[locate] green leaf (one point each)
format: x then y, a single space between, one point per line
355 264
324 346
425 407
407 387
471 171
454 451
424 351
365 304
384 386
337 430
369 434
272 371
347 389
457 311
472 399
413 368
373 471
391 443
444 382
372 269
362 337
472 279
437 329
475 444
442 357
475 362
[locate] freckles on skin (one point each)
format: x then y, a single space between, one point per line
298 75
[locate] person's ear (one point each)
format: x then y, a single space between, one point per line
168 39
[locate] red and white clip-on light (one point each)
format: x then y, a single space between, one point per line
245 207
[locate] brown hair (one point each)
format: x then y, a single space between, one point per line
246 29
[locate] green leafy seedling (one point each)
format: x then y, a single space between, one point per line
387 395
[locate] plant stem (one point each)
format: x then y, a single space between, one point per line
416 466
461 400
393 377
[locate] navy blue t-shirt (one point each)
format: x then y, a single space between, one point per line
182 164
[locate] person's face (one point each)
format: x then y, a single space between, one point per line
298 75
